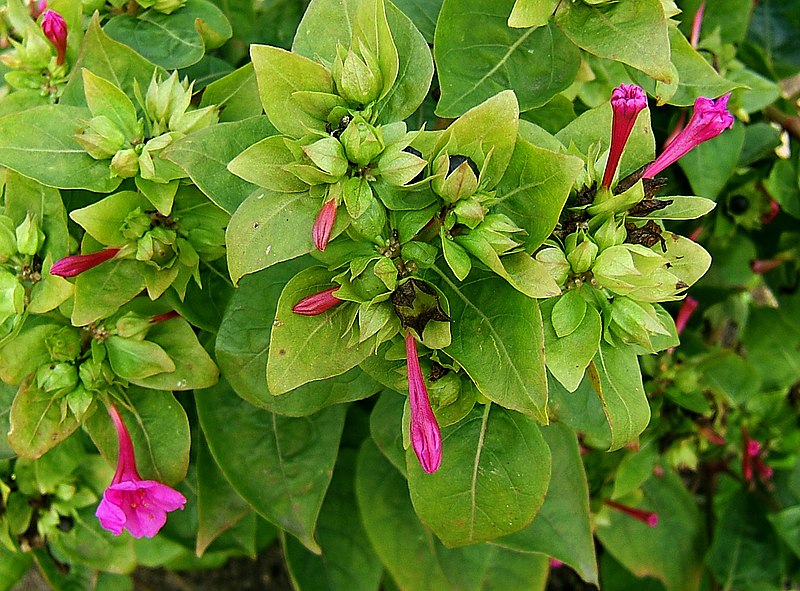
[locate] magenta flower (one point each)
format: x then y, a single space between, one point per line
317 303
54 28
37 8
77 264
697 24
164 317
685 313
140 506
709 119
321 232
425 436
648 517
627 100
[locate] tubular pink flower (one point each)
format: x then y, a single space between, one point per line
317 303
77 264
164 317
321 232
709 119
425 436
685 313
37 8
54 28
648 517
697 24
627 100
140 506
760 266
774 210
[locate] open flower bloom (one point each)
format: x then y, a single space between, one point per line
627 100
317 303
648 517
425 436
709 119
321 232
77 264
54 28
140 506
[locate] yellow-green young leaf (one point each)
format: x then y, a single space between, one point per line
499 341
236 93
37 422
106 100
104 219
133 360
308 348
280 74
531 13
569 356
371 28
680 208
563 528
159 430
24 195
617 381
633 32
503 490
289 461
14 368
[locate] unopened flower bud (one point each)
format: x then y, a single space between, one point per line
77 264
317 303
328 154
29 236
125 163
470 212
582 257
426 438
356 81
362 142
54 28
647 517
101 138
401 167
323 225
627 100
455 177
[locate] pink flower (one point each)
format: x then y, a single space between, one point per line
37 8
425 436
648 517
709 119
697 23
760 266
321 232
140 506
627 100
164 317
685 313
54 28
77 264
317 303
774 210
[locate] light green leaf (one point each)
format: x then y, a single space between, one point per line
531 13
106 100
133 360
681 208
263 164
236 93
37 423
568 357
104 219
99 292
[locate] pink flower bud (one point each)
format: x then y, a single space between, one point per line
425 436
648 517
321 232
697 23
164 317
685 313
54 28
774 210
752 447
37 8
627 100
77 264
759 267
556 563
317 303
709 119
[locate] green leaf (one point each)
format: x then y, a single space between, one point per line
681 208
133 360
423 14
37 422
496 57
782 184
236 93
46 134
787 524
219 507
99 292
104 219
617 381
308 348
263 163
568 313
502 353
581 411
633 32
568 357
106 100
109 59
679 535
371 28
347 562
13 566
710 165
531 13
288 462
14 368
159 430
7 394
535 188
271 227
205 156
562 529
772 28
174 40
502 492
194 368
280 74
386 427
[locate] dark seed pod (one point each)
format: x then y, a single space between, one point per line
418 154
66 523
738 204
343 123
457 160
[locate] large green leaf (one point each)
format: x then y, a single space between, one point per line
423 14
347 562
236 93
535 188
499 341
159 430
562 529
633 32
502 488
415 559
37 421
617 381
568 357
174 40
24 195
774 28
205 155
680 535
100 291
281 466
308 348
536 63
40 143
